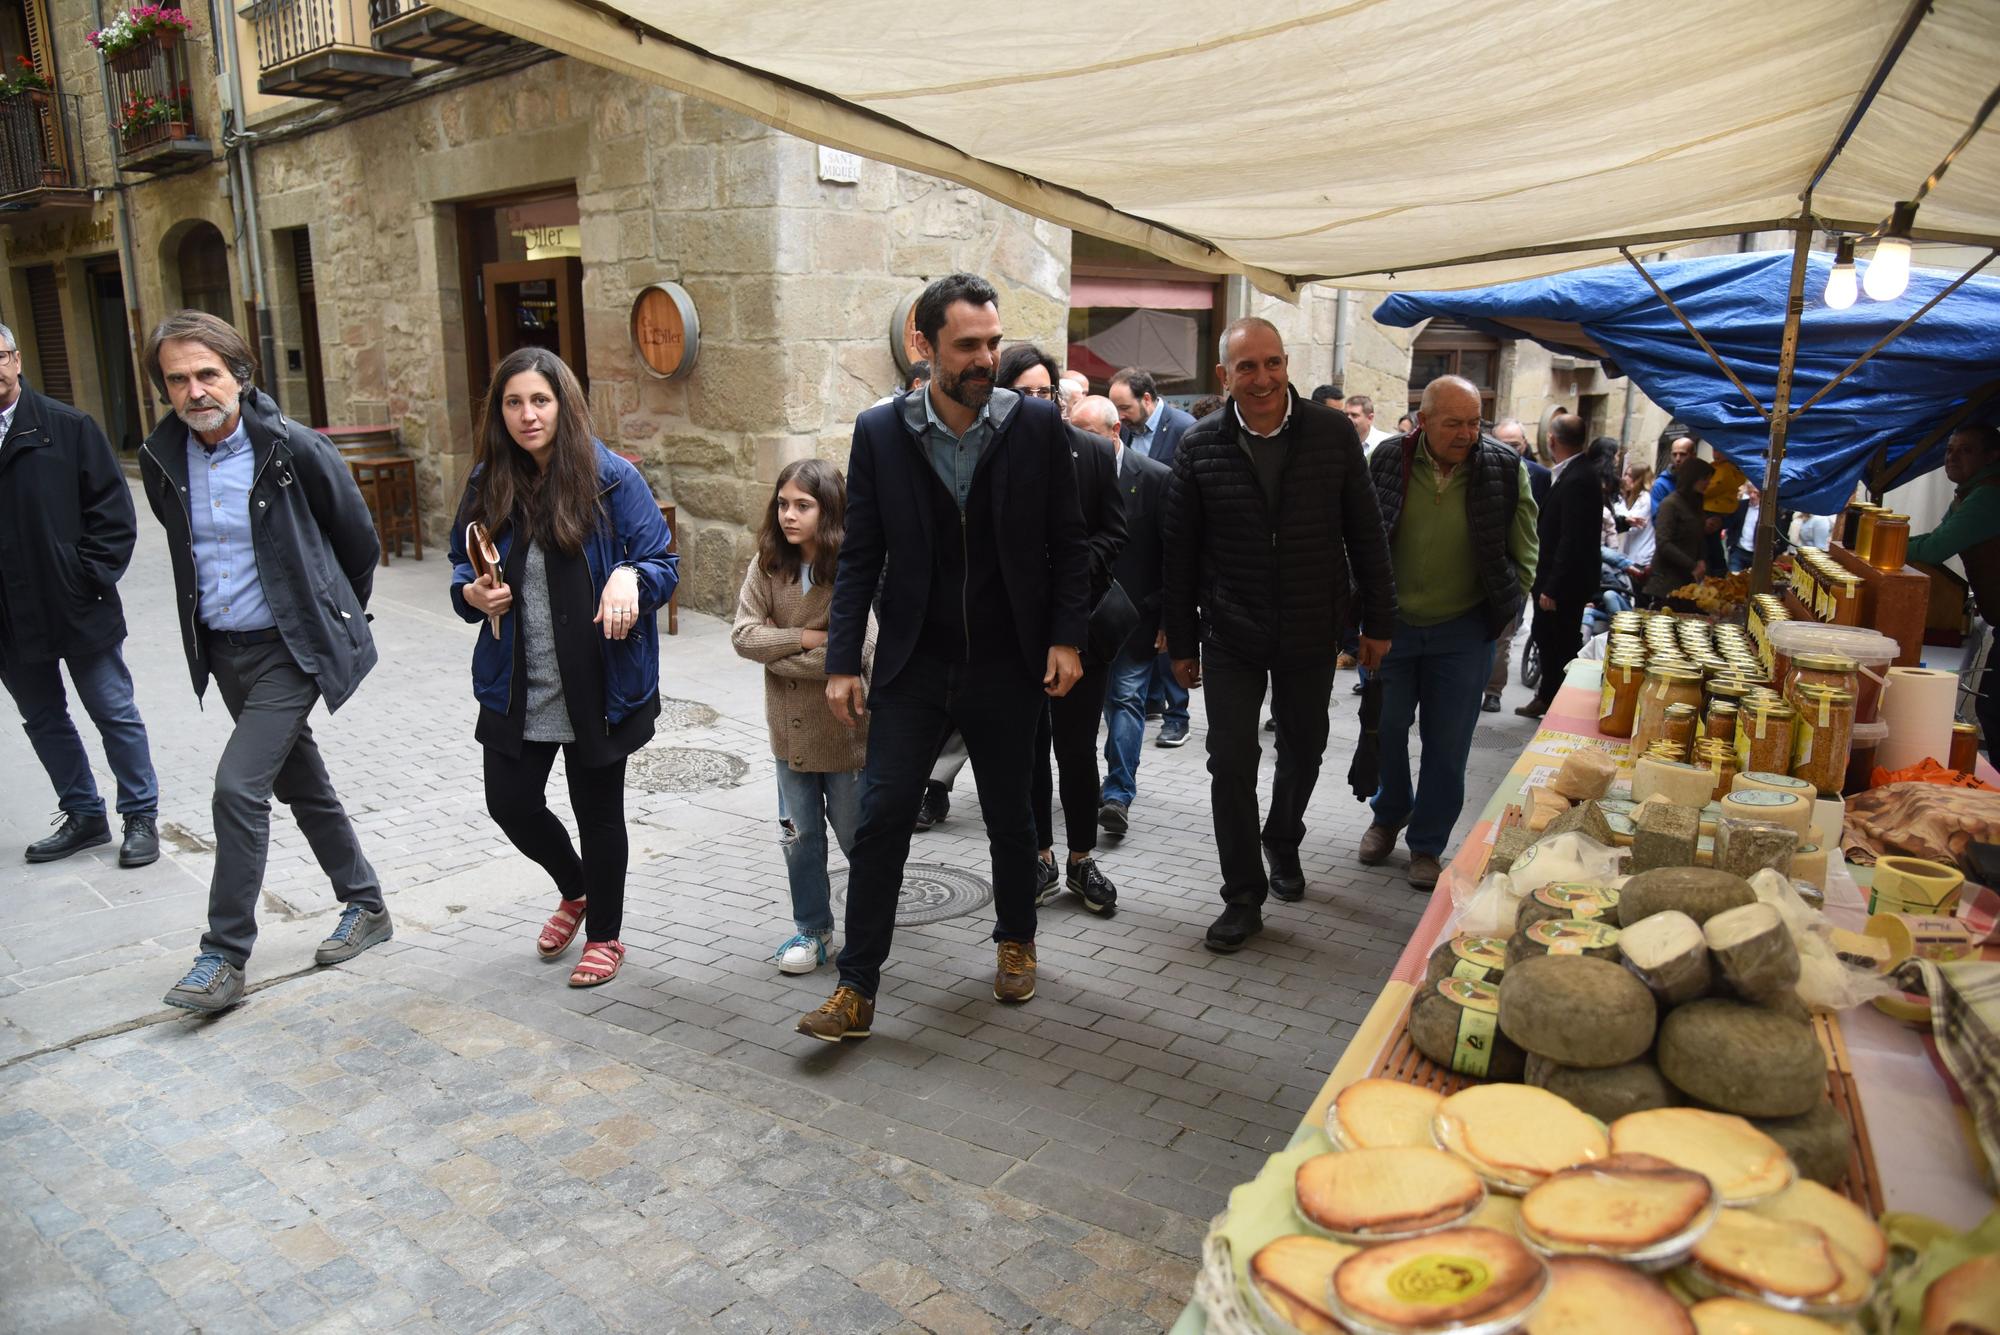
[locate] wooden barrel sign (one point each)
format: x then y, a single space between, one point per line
666 331
903 334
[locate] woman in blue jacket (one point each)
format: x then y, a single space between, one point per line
568 654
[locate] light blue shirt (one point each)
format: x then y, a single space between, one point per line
1144 436
7 417
956 458
231 597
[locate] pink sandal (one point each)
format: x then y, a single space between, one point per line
599 965
560 929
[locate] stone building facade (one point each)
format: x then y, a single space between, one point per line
388 216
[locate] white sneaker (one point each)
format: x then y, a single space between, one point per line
803 953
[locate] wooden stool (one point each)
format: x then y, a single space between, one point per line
673 548
389 484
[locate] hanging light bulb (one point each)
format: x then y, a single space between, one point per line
1889 272
1840 284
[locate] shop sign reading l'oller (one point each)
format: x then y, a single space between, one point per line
666 330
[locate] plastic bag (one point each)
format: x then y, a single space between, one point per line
1826 982
1566 857
1490 908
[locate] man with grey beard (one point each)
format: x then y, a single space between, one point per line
274 557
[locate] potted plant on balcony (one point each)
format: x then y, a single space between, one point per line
26 82
146 119
128 41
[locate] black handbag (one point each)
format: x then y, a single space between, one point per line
1112 622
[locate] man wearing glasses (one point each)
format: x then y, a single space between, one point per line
66 532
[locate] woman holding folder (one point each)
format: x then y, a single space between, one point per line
559 553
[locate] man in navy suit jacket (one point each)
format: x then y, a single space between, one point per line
1147 422
965 536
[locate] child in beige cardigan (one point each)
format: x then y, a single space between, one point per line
781 620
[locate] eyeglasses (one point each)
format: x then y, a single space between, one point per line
1044 392
8 354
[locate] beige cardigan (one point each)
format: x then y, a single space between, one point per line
804 732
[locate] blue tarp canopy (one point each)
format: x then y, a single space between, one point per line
1738 304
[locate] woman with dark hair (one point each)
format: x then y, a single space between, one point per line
1678 536
567 654
781 622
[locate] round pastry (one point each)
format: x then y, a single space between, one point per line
1376 1113
1740 1316
1393 1192
1627 1206
1516 1135
1744 1164
1780 1261
1844 1223
1459 1276
1589 1296
1289 1276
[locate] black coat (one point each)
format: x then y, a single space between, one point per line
66 532
1274 590
1144 483
314 541
1100 503
886 559
1174 423
1570 529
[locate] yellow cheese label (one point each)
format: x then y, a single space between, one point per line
1479 957
1439 1280
1572 936
1577 899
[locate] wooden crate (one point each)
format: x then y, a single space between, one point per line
1400 1060
1895 602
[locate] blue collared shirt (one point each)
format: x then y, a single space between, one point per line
1144 436
956 458
225 566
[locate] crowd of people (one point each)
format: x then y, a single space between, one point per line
1011 572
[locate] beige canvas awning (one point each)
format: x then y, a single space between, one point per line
1383 143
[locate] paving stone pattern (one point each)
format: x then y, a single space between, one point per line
441 1135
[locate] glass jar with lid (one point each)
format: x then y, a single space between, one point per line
1664 685
1822 734
1890 545
1618 696
1821 669
1764 734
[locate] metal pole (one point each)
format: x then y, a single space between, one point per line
1342 303
1781 404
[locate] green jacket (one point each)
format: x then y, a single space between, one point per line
1973 518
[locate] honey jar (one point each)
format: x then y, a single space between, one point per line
1890 544
1821 737
1664 686
1764 735
1618 697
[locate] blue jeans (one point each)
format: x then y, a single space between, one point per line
1170 695
105 688
1434 677
1131 676
811 803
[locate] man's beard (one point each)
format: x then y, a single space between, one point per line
210 418
971 388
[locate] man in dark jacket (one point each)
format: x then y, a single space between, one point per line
1270 521
1461 522
1570 531
1143 485
66 535
964 533
1152 426
274 556
1509 432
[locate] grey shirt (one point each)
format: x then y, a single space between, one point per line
548 713
956 458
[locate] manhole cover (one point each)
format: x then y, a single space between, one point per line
686 714
931 893
683 769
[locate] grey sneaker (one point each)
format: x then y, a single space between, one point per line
358 929
213 984
1047 881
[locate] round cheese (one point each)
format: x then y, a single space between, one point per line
1790 810
1456 1023
1756 781
1671 781
1809 865
1576 1010
1741 1058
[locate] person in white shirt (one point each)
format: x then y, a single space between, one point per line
1635 507
1361 412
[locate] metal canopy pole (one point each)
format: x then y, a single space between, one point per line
1781 406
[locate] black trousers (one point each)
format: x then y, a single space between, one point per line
993 704
1067 732
1300 698
1559 636
517 799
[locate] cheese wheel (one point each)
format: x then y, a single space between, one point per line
1790 810
1682 785
1809 864
1757 782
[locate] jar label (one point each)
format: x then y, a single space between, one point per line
1802 745
1607 701
1485 954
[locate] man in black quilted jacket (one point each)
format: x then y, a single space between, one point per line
1271 528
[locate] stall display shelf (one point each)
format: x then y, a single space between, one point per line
1879 1072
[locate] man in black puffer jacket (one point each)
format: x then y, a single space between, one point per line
1270 525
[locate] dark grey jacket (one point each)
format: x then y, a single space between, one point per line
315 544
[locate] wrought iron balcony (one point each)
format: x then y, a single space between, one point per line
413 28
155 126
41 154
309 48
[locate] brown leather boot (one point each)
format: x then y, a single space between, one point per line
1014 979
1377 844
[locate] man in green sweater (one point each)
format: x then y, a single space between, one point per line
1461 520
1970 530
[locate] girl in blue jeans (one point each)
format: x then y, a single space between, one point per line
781 619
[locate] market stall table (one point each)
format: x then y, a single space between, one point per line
1920 1146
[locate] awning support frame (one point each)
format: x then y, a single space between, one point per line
1694 333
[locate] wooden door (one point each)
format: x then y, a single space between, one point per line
536 303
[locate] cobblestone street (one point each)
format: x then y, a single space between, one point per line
442 1136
